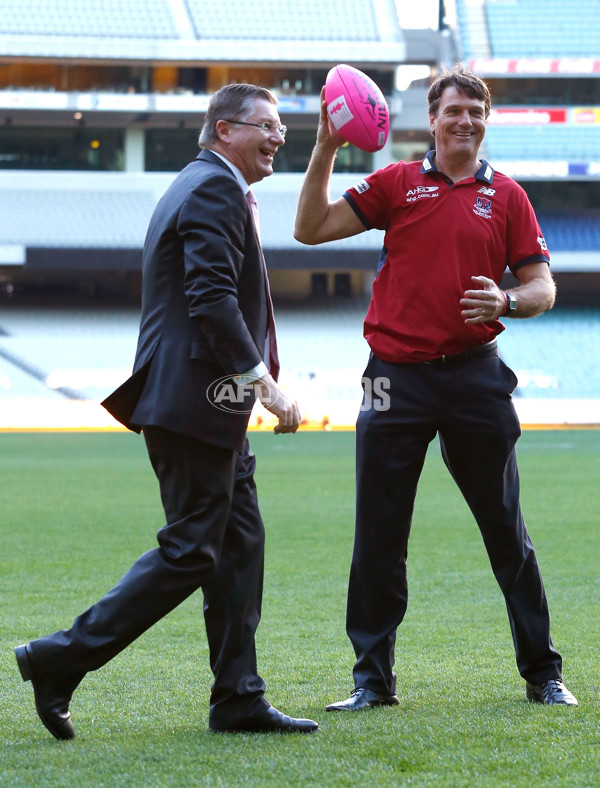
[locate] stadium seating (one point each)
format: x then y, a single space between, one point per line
85 350
555 356
91 350
112 210
551 142
278 201
111 218
75 218
311 20
571 232
534 28
107 19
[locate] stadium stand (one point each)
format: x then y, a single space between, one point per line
75 218
311 20
553 141
205 31
555 355
86 352
58 210
529 28
78 18
575 232
133 78
538 28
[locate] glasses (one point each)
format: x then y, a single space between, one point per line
266 127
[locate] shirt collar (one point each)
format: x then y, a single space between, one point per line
484 173
236 171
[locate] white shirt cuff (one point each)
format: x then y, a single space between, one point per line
259 371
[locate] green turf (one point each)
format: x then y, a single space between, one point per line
78 509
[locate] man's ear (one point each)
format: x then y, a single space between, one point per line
222 129
432 119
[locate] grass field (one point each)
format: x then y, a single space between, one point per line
77 509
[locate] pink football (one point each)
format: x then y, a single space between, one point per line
357 108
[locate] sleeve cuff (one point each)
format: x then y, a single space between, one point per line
259 371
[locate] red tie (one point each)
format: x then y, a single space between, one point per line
271 336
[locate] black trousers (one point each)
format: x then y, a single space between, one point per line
213 539
468 404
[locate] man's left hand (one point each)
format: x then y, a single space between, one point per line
279 404
485 304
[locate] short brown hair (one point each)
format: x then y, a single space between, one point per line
232 101
462 79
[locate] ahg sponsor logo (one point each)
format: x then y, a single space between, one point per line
238 394
421 191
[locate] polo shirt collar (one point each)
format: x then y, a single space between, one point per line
484 173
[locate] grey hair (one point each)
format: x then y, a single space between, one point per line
231 101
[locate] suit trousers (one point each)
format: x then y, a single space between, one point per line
213 539
468 404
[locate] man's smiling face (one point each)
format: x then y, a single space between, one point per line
253 149
459 125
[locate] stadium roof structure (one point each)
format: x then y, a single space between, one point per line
204 31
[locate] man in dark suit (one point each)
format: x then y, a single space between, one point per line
206 327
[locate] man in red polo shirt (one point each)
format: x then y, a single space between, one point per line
452 226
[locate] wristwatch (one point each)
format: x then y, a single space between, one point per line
511 305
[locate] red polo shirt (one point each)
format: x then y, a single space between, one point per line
437 236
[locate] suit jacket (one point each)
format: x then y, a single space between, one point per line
204 308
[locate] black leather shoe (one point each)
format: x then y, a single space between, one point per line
552 692
268 720
361 698
52 696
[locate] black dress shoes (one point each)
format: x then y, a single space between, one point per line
362 698
52 696
552 692
269 720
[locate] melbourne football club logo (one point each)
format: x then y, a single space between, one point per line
483 207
